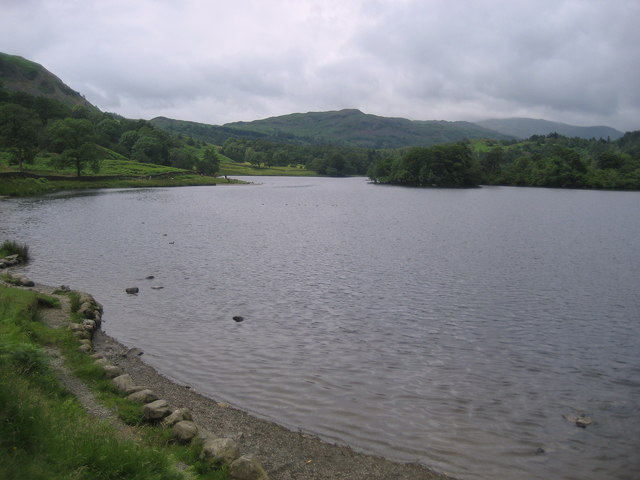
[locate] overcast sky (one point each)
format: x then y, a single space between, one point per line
219 61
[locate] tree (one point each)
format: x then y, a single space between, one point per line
181 158
74 140
19 129
209 164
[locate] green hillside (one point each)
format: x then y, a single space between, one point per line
345 128
354 128
526 127
18 74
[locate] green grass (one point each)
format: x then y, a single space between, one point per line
38 186
10 247
46 434
248 169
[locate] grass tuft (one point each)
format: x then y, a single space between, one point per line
10 247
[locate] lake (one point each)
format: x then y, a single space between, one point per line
448 327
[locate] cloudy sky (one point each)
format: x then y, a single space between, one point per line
219 61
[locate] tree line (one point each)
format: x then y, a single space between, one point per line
331 160
542 160
81 137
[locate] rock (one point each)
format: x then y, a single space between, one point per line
157 287
184 431
156 410
583 421
223 450
97 356
111 371
150 277
25 282
84 348
238 318
178 415
85 342
82 334
143 396
580 419
101 362
204 435
76 327
133 352
123 382
88 323
247 467
132 290
86 310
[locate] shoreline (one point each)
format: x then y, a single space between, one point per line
285 454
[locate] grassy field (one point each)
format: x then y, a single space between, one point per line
118 172
46 434
247 169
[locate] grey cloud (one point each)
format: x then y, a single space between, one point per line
574 61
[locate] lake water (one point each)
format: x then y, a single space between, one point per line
453 328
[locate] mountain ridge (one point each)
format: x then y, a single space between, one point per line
17 74
523 127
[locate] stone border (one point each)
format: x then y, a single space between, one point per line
157 411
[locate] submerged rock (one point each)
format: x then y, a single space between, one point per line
580 419
238 318
132 290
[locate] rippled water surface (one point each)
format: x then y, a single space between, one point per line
454 328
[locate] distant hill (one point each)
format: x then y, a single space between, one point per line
526 127
344 127
354 128
201 131
18 74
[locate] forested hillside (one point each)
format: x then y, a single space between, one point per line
36 128
347 128
541 161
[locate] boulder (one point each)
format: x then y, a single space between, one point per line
184 431
86 310
178 415
125 384
143 396
25 282
223 450
111 371
247 467
84 348
156 410
101 362
132 290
